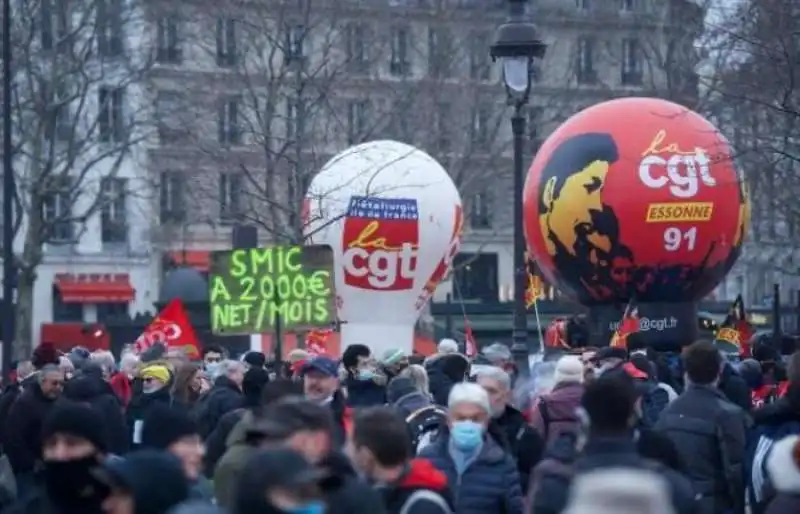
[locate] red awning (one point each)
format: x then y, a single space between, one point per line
95 288
197 259
66 336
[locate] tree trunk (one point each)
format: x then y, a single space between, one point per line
24 315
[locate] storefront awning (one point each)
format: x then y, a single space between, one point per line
95 288
197 259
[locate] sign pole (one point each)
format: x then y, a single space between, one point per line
278 333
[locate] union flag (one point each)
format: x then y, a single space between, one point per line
629 324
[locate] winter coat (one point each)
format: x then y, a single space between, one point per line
137 411
412 402
420 476
735 388
23 427
520 440
99 394
344 492
489 484
444 372
555 413
364 393
229 468
224 397
216 443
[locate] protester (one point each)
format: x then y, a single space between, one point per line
309 429
73 443
122 381
321 385
444 372
447 346
783 466
422 417
188 385
407 485
606 442
393 362
146 482
508 426
23 426
66 366
155 389
224 396
482 476
554 413
279 481
709 432
212 357
419 378
620 491
365 385
254 360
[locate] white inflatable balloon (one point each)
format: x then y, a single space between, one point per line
393 217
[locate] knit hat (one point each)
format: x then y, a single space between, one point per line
569 368
620 491
393 356
43 355
164 425
447 346
298 354
78 420
255 359
783 465
158 372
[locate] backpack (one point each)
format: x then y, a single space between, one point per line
544 412
423 424
654 401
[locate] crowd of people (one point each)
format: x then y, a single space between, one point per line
610 430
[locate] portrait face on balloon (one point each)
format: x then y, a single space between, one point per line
651 209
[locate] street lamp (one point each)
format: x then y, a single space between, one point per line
518 47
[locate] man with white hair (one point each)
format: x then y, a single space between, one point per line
483 476
225 396
447 346
106 361
508 425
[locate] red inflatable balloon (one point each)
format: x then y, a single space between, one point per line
636 197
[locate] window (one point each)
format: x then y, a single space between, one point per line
479 134
357 119
440 52
172 204
583 5
230 189
631 62
55 23
111 124
109 312
294 44
399 65
398 126
226 42
627 5
59 110
57 210
293 107
169 105
479 59
113 210
168 39
355 39
480 211
66 312
586 73
229 130
110 28
475 277
441 127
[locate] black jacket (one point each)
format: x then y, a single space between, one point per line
710 435
524 443
137 411
364 393
344 492
735 389
23 428
224 397
550 491
98 393
216 441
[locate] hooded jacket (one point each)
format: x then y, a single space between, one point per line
420 476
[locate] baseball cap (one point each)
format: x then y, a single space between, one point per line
322 364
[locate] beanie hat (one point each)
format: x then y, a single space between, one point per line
298 354
399 387
255 359
164 425
447 346
393 356
569 368
160 373
78 420
43 355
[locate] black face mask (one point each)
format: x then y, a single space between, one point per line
70 483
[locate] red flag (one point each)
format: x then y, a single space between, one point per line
627 326
470 347
171 328
734 334
317 342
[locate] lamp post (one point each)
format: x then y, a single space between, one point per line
518 47
9 279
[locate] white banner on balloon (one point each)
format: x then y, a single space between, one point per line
393 217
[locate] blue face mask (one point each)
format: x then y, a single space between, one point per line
466 435
211 368
366 374
316 507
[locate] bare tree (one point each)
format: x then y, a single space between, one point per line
76 122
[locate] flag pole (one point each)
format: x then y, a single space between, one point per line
538 324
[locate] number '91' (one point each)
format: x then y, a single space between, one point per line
675 239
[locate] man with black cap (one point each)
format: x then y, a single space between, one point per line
174 431
309 429
146 482
74 442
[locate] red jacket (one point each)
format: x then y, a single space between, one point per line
121 385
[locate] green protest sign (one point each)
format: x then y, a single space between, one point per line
252 290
